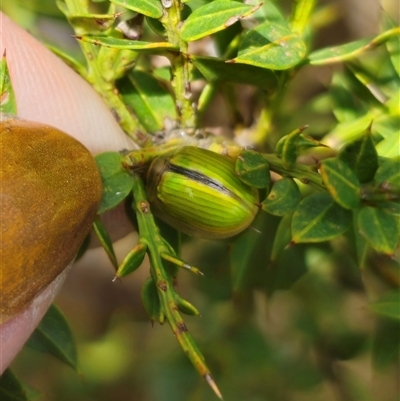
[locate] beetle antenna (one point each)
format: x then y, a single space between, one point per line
256 230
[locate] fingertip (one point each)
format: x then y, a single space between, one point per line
16 331
48 91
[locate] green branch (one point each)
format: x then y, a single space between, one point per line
179 63
304 174
98 78
150 236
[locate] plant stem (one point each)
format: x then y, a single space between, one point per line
205 99
271 107
105 87
301 14
128 122
304 174
300 18
150 236
179 63
263 127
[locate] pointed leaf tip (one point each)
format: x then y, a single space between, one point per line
213 385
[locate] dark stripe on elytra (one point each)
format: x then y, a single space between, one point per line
203 179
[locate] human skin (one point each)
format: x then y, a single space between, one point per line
48 91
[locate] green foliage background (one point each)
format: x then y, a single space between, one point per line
312 321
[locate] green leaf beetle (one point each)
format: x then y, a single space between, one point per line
198 192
